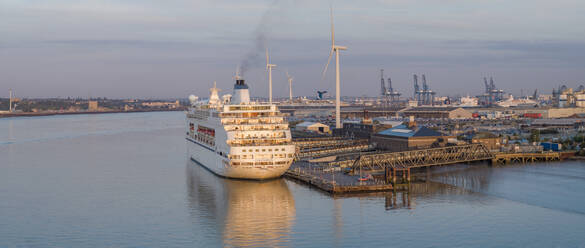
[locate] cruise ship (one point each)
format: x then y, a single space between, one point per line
235 138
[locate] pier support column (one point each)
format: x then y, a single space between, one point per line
428 171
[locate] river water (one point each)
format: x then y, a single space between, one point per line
124 180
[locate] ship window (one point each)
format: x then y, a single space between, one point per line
257 150
263 150
243 150
269 150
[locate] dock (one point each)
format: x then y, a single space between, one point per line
508 158
343 166
319 147
335 182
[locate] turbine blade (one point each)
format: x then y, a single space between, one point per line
327 65
332 28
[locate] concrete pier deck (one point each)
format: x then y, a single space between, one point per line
334 181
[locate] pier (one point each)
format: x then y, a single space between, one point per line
508 158
341 166
334 182
319 147
377 162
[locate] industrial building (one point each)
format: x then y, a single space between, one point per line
566 97
365 129
361 112
489 140
93 106
558 124
409 137
312 126
437 113
549 112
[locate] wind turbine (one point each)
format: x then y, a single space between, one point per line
10 102
269 69
335 48
290 80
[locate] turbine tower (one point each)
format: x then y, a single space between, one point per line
269 69
290 80
10 102
335 48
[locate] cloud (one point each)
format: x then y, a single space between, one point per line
453 41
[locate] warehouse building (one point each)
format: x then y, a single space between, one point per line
312 126
489 140
437 113
409 137
365 129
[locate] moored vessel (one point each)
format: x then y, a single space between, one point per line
236 138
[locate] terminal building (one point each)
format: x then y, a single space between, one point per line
409 137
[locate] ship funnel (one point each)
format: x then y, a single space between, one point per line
241 93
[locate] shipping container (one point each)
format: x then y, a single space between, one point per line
532 115
548 146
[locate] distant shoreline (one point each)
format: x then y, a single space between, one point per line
34 114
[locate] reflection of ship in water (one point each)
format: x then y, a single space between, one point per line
250 213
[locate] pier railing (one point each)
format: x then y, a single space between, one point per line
418 158
328 147
506 158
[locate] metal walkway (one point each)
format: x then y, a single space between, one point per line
507 158
315 148
417 158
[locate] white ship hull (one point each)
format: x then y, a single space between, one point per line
241 139
217 164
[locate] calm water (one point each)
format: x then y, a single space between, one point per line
124 180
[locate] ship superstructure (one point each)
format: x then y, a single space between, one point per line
236 138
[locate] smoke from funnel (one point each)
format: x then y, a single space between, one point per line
252 57
262 31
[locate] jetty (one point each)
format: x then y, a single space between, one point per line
341 166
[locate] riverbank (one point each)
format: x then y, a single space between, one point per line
33 114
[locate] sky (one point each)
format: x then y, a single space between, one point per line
173 48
